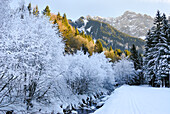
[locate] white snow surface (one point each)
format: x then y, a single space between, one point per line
89 29
143 37
137 100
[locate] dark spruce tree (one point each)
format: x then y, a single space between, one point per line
149 65
138 65
163 53
157 52
168 36
29 8
135 57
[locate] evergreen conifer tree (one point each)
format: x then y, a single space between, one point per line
47 11
82 34
77 32
29 8
151 50
110 48
138 64
148 65
163 52
64 20
98 47
135 57
89 38
157 51
168 37
58 16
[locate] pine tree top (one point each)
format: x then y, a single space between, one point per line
47 11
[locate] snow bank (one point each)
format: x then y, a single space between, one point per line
137 100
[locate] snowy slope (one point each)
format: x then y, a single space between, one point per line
137 100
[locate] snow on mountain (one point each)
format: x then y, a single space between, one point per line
85 21
89 29
109 35
137 100
130 23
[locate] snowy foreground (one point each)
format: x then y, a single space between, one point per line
137 100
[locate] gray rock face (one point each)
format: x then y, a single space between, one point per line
130 23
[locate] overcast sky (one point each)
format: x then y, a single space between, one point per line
105 8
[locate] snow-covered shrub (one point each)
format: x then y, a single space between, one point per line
124 72
85 75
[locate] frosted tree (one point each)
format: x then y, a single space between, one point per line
148 65
157 51
163 52
124 72
151 51
85 75
31 58
168 40
6 79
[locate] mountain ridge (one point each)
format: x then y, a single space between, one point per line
132 23
109 35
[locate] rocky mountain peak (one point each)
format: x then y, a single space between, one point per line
134 24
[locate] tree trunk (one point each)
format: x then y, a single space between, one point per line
160 83
153 81
163 82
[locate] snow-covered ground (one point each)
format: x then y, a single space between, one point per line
137 100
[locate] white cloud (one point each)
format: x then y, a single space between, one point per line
156 1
